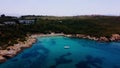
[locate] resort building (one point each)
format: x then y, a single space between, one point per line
26 21
10 22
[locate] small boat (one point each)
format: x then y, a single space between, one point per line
66 47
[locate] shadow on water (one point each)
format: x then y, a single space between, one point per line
53 42
33 58
40 55
62 60
90 62
116 66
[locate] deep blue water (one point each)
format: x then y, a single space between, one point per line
49 52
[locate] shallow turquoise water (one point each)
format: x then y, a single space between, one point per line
49 52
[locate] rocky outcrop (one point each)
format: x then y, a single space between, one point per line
103 39
80 35
12 51
85 37
2 59
114 37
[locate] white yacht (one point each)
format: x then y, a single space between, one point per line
66 47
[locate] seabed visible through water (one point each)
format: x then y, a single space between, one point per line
49 52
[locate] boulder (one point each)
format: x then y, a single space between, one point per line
80 35
8 53
3 52
115 37
103 39
15 48
2 59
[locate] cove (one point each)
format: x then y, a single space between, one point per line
49 52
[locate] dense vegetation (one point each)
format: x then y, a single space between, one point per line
90 25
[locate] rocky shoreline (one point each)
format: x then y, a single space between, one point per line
12 51
114 37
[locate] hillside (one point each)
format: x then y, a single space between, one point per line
90 25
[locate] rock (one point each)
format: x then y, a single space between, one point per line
15 48
103 39
2 59
8 54
115 37
11 53
3 52
80 35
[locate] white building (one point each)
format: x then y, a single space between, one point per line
26 21
10 22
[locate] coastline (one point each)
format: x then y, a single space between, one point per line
12 51
112 38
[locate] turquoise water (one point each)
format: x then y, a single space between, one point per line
49 52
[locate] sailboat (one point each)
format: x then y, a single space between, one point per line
66 47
